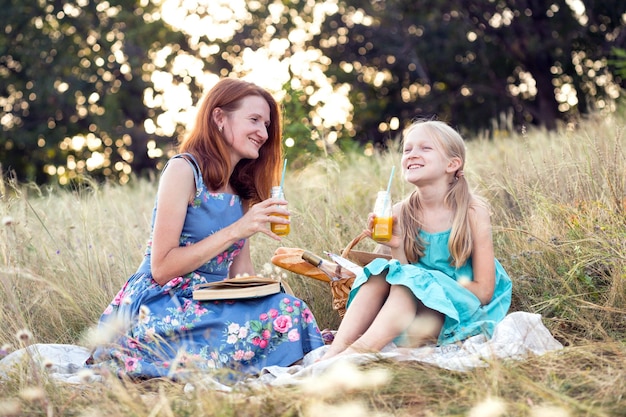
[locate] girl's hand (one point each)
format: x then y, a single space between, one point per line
396 238
259 216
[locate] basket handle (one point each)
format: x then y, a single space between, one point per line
352 243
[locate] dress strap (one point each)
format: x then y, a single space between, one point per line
194 165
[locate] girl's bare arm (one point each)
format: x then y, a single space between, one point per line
483 258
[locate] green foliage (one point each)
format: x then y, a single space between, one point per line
76 69
467 62
296 125
619 62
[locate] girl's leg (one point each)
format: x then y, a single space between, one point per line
395 316
359 316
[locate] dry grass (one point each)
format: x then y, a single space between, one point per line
559 213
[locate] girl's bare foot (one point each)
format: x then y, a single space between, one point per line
333 350
350 350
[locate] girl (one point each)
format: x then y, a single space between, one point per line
443 283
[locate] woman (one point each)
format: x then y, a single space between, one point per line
212 197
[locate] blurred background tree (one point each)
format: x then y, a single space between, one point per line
106 88
73 76
477 64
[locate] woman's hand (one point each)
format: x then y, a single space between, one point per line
258 217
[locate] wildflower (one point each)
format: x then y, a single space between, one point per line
548 411
85 375
344 376
348 409
328 336
5 350
91 412
422 329
33 394
7 221
24 336
266 269
47 363
144 314
490 407
464 281
10 408
105 333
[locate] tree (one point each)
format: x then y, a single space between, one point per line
107 87
73 77
470 61
268 42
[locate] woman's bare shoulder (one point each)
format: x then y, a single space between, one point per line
175 177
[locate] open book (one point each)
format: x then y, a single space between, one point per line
238 287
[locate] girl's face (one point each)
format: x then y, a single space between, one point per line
422 158
245 129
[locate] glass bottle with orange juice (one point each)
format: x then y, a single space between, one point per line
279 228
383 221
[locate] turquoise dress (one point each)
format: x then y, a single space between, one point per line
435 283
167 332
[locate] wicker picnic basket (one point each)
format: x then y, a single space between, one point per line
291 260
341 289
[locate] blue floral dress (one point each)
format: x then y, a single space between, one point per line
167 332
435 283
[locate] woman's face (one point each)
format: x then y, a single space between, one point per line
245 129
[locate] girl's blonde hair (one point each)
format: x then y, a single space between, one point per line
459 198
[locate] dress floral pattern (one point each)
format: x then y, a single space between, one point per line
167 333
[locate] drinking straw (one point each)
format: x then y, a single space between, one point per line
387 195
393 168
282 180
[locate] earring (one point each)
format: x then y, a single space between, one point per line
221 128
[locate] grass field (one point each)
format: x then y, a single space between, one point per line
559 215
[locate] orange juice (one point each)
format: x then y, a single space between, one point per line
382 229
383 220
279 228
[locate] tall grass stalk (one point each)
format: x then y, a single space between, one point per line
559 215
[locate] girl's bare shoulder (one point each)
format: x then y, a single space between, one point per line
479 210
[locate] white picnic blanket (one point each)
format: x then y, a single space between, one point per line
518 336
